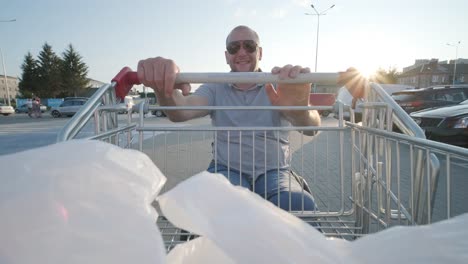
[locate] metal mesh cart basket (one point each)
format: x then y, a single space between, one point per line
364 176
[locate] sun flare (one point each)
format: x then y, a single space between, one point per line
367 72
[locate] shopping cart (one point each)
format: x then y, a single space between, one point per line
364 177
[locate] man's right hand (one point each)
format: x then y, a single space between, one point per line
355 82
160 74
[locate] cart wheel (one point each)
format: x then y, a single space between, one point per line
56 114
325 113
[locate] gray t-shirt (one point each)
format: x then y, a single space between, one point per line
248 154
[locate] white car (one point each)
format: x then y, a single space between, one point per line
127 104
6 110
67 108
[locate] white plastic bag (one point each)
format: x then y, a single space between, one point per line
89 202
441 242
241 227
198 250
79 202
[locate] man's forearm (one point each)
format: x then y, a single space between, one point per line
304 118
163 100
177 99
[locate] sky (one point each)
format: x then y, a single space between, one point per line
111 34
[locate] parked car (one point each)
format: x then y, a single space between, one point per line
24 108
346 98
322 99
68 107
127 105
6 109
393 88
136 106
158 113
418 99
447 124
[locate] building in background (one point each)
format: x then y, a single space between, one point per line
93 86
94 83
12 87
426 73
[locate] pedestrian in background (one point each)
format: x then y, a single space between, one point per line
29 103
36 107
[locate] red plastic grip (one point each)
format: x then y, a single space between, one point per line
124 81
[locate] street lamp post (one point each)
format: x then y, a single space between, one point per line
456 58
4 68
318 14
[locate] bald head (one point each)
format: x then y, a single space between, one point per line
242 55
247 30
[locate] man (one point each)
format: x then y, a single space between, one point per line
258 160
36 107
29 104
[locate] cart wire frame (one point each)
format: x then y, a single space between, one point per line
364 177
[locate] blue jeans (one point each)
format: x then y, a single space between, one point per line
277 186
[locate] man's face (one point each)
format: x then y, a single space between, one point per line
245 51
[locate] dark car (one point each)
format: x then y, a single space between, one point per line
418 99
445 124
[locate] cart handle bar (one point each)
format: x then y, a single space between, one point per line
126 78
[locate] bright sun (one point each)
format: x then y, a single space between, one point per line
369 56
367 71
367 67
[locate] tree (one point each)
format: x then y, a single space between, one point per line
51 76
49 73
28 84
73 73
386 77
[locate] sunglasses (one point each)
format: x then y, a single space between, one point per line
249 45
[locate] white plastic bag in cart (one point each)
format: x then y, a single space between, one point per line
245 227
79 202
237 226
